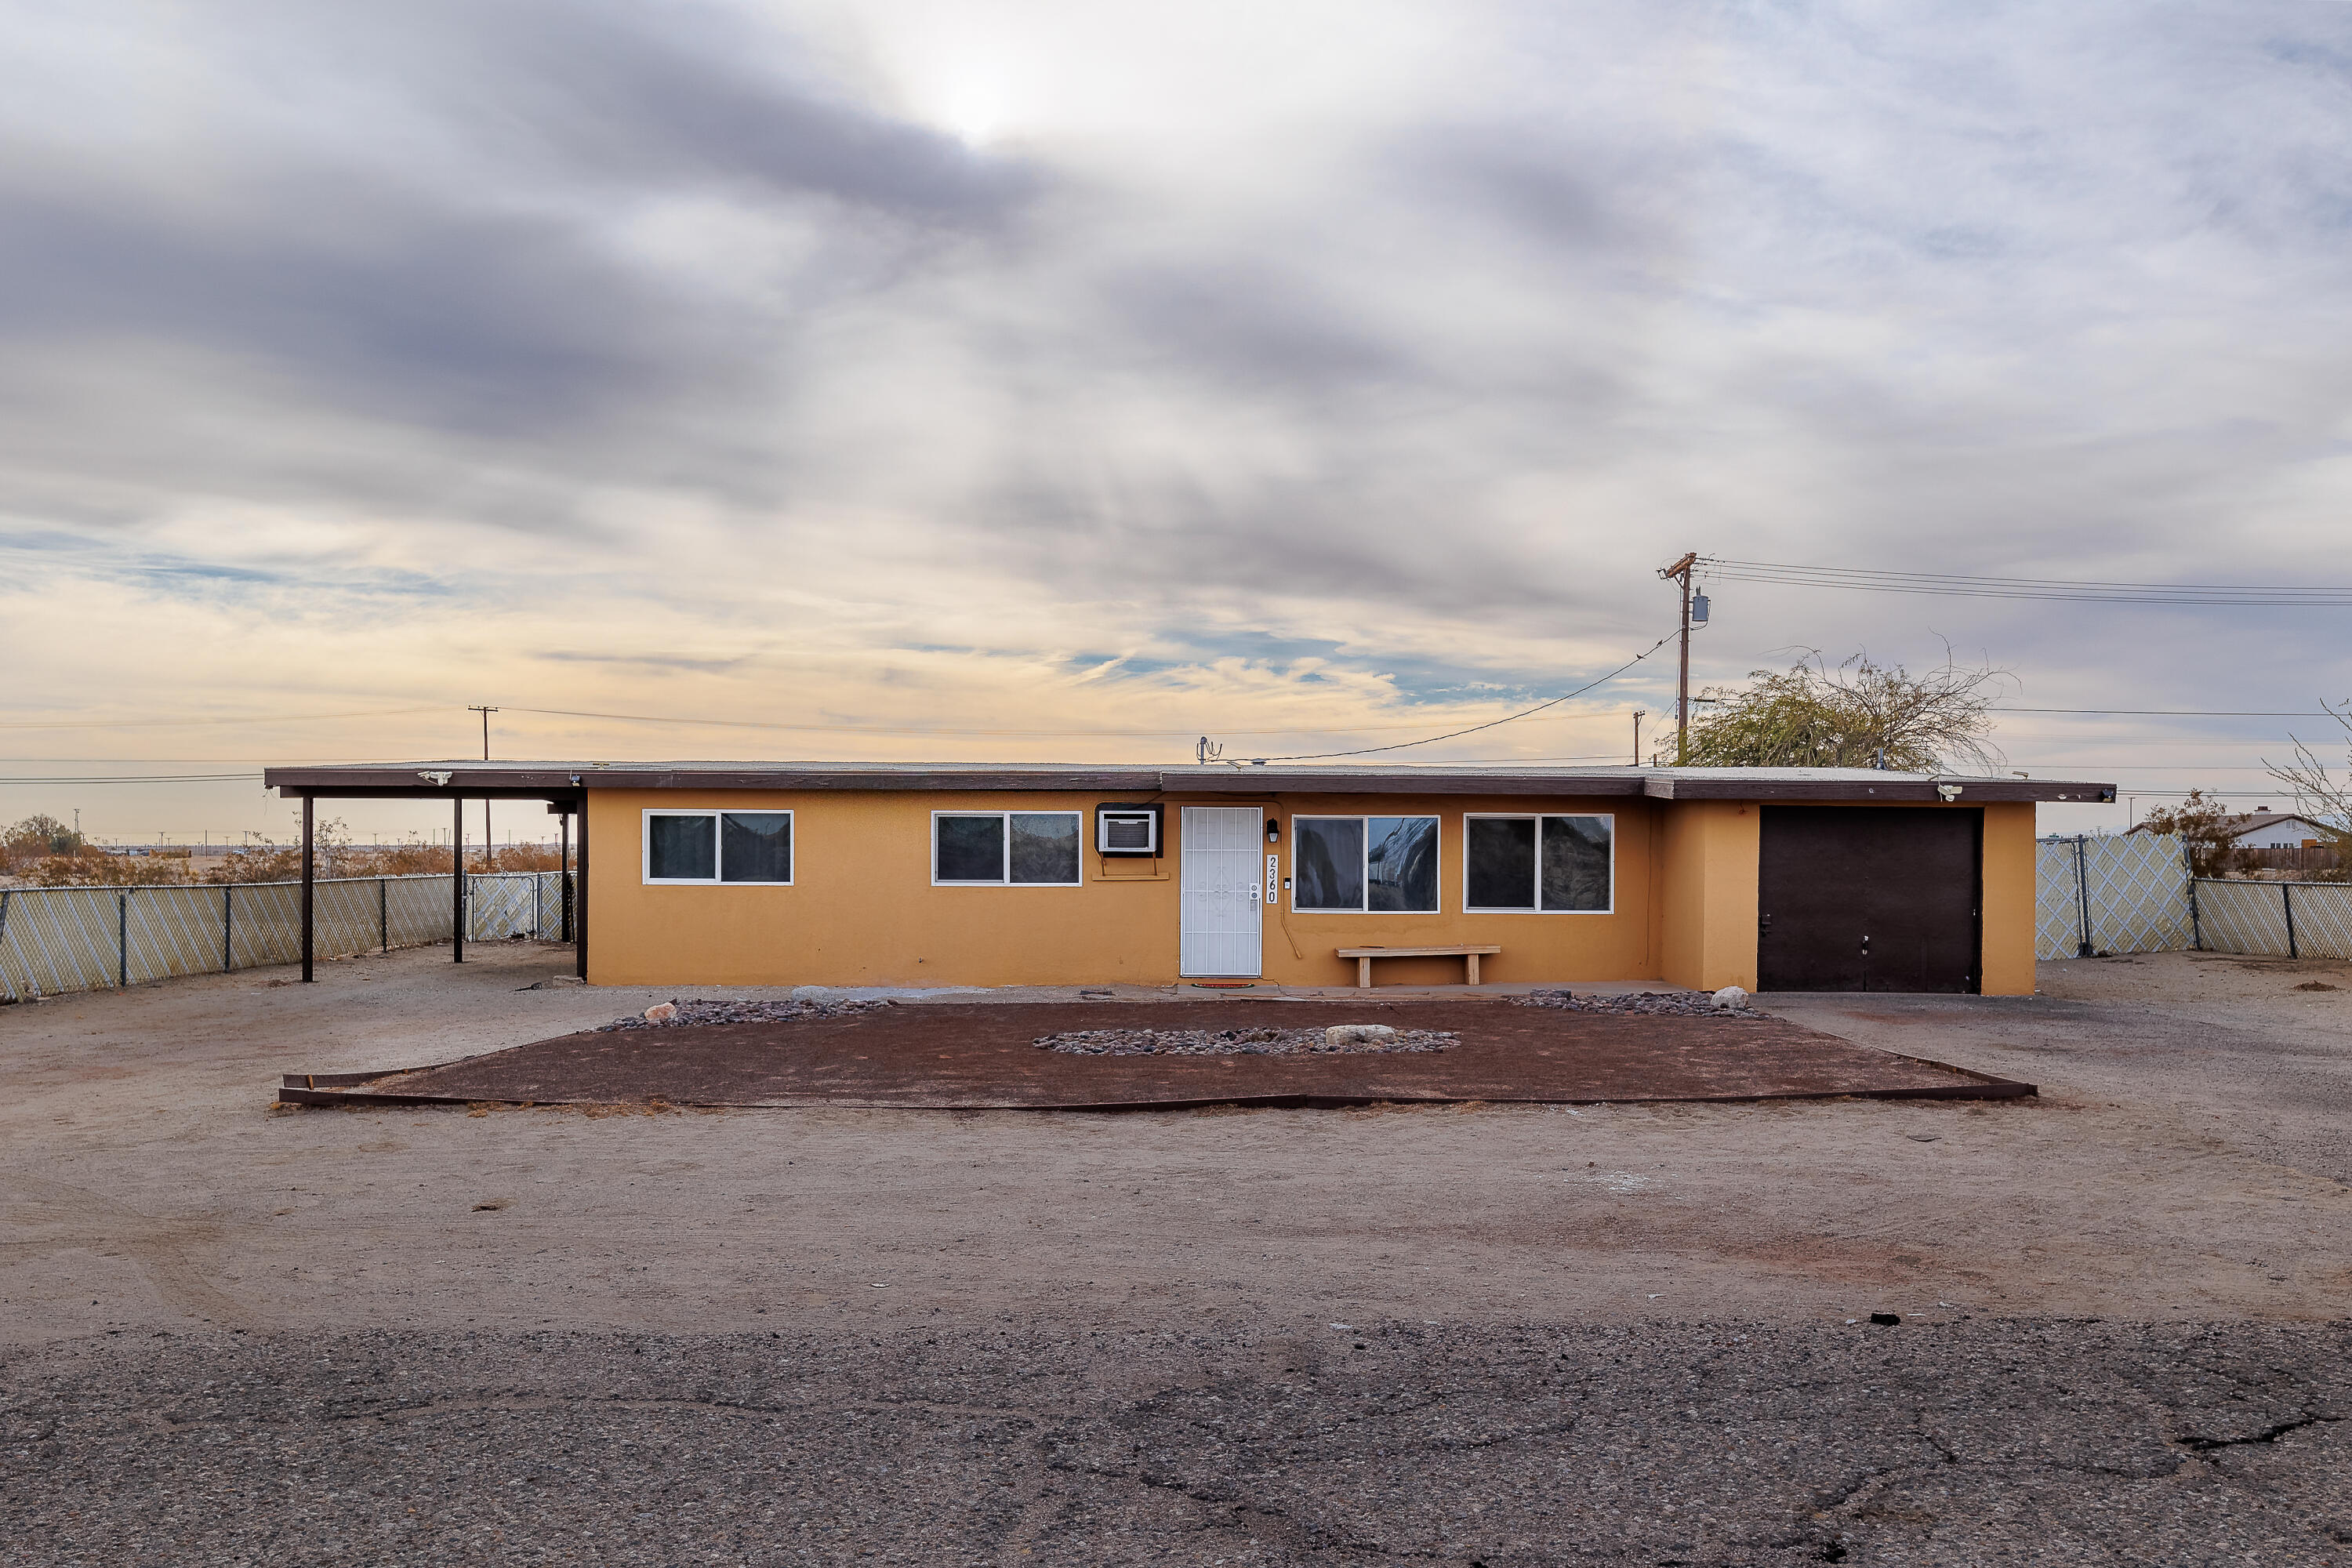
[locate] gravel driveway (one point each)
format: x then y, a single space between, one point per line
1614 1334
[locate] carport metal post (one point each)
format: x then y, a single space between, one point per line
309 891
457 877
579 901
563 868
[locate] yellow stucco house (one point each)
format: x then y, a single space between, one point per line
976 874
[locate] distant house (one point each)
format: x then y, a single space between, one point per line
2275 830
2271 830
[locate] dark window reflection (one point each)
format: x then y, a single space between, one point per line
1575 862
1502 855
1403 863
1329 857
681 847
755 847
1045 846
969 849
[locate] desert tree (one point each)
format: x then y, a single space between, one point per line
1853 715
2320 796
2204 824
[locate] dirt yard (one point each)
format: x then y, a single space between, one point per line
1461 1335
2185 1161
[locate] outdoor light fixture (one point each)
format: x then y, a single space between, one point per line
1272 831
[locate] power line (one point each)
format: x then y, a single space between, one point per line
2081 591
173 723
1028 734
2179 712
1432 740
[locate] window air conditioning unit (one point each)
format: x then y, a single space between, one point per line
1127 829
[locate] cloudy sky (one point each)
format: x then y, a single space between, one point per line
1067 380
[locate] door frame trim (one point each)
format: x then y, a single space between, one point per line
1257 970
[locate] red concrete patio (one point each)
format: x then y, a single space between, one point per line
972 1056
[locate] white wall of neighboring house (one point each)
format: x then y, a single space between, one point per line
2288 832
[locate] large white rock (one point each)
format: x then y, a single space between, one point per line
1731 996
1359 1035
661 1013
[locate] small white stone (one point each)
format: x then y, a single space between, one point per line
1359 1035
661 1013
1731 996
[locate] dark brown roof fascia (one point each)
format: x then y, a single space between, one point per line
1266 781
409 784
495 783
538 784
1972 792
1126 780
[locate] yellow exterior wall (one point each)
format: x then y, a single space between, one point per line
1707 867
2010 888
1549 947
862 911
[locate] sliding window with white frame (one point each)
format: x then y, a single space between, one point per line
708 846
1539 864
1005 848
1372 865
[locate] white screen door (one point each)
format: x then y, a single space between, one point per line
1221 899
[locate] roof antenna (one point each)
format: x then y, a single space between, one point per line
1204 750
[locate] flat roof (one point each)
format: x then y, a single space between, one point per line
556 780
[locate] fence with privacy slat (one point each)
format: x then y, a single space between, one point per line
56 939
2124 894
2280 920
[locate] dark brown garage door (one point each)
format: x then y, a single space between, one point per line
1868 899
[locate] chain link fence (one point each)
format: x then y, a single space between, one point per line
2124 894
2279 919
2133 893
55 939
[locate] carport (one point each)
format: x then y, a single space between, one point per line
559 788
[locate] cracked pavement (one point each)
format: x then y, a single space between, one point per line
1976 1442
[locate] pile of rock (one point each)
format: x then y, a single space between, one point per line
663 1015
1730 1002
1339 1039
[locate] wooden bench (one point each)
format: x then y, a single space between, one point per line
1364 957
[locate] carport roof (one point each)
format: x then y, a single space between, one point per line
567 780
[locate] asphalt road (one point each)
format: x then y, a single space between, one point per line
1976 1442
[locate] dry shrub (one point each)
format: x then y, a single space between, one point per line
50 855
94 869
36 838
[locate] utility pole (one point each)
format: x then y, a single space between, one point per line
489 848
1680 571
1637 737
